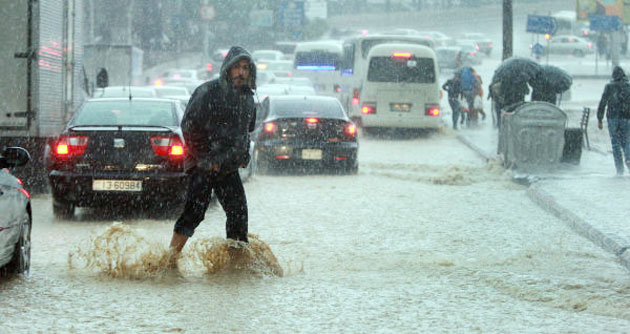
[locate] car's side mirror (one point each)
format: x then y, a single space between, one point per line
14 157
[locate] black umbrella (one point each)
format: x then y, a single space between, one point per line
516 69
553 79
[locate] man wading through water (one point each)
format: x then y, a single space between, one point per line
216 126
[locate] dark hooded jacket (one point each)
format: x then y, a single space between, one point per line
219 117
616 96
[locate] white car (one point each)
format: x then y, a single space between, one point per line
570 45
260 55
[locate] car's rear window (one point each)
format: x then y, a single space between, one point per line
135 92
305 108
412 70
170 91
126 113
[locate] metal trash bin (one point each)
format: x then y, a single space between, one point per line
532 136
572 151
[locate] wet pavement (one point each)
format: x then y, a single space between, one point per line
428 237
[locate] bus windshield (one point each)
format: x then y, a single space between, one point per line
317 60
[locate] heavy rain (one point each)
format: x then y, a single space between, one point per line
314 166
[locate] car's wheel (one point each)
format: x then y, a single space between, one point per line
352 168
21 261
63 209
578 53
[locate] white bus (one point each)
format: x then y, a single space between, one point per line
354 65
400 88
319 61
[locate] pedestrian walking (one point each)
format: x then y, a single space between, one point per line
615 103
453 90
469 86
216 126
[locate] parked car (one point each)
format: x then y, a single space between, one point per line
125 91
309 131
119 152
484 44
15 214
569 45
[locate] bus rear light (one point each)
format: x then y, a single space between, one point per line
368 108
404 55
432 110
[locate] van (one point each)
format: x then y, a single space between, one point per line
400 88
354 63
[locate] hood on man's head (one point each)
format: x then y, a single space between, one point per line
618 74
235 54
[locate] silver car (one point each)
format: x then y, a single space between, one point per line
569 45
15 214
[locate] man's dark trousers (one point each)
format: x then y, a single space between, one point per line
230 193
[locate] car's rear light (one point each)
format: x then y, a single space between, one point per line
70 146
270 127
24 192
19 181
490 45
167 147
590 45
282 157
351 130
477 47
312 120
473 54
208 67
368 108
432 110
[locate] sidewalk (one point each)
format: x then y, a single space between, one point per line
588 197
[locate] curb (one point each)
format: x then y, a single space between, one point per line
485 155
609 242
618 246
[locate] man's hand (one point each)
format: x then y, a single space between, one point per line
600 125
215 167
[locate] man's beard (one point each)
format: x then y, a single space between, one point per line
243 82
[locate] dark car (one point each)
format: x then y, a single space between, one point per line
15 214
119 152
301 131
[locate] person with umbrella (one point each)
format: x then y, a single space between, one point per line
550 82
509 83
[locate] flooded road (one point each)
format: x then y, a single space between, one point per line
426 238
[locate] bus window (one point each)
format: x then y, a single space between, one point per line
412 70
347 67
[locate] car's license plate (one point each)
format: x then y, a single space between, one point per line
400 107
311 154
117 185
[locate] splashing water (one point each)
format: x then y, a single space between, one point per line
121 252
